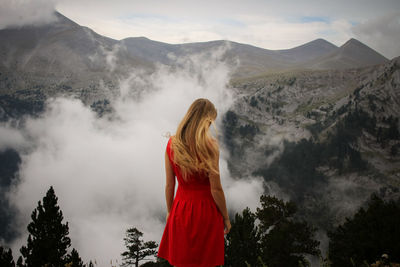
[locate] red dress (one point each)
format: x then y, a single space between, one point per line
194 233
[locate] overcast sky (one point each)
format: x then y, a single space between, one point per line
268 24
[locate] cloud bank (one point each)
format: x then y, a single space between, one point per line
383 33
108 172
16 13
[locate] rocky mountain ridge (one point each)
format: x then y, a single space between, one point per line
66 58
343 123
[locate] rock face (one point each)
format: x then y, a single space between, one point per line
337 129
62 57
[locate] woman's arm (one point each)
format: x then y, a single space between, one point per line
219 196
170 184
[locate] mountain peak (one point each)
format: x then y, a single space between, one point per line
355 48
320 41
61 19
353 42
309 51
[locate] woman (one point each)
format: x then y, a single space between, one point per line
197 218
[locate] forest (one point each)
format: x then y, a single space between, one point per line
270 236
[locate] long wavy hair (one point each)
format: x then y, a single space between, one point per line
195 150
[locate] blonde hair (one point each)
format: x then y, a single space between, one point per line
195 151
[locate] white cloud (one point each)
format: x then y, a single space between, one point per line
382 33
265 24
261 23
109 173
11 138
26 12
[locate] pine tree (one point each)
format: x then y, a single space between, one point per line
137 249
371 232
6 258
48 239
74 260
243 240
284 240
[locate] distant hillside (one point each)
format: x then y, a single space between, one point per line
309 51
350 55
66 58
62 57
326 139
315 55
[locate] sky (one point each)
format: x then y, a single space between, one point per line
264 23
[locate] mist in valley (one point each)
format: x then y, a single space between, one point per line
108 171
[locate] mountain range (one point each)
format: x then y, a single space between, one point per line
66 57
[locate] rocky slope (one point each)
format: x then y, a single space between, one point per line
66 58
327 139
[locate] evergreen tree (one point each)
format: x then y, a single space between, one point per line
243 240
74 260
284 241
6 258
369 234
137 249
48 237
159 263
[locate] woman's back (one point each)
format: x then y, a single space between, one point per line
196 216
195 181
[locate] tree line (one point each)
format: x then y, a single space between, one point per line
271 236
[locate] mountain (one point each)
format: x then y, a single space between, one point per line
327 139
317 54
352 54
309 51
66 58
59 57
150 50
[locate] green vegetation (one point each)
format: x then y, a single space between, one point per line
296 169
74 260
272 236
253 101
9 163
242 243
248 131
278 239
16 107
229 121
102 107
137 249
6 258
48 239
384 135
369 234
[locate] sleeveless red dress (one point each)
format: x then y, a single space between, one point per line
194 233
